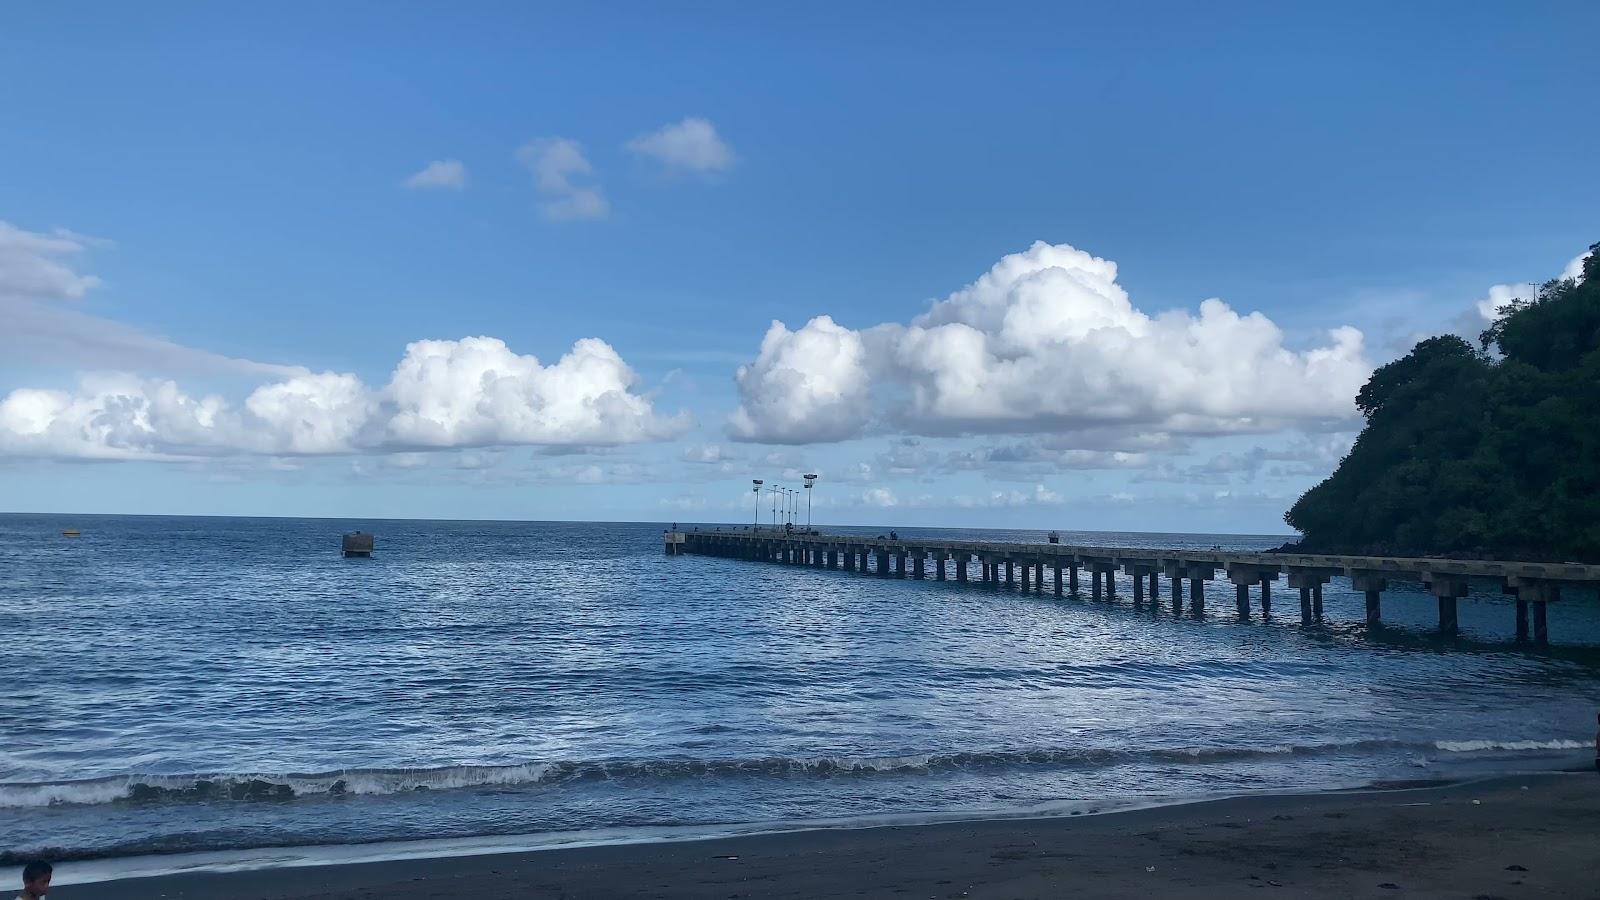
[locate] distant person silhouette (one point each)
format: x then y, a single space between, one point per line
35 880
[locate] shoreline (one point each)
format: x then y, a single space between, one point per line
1430 836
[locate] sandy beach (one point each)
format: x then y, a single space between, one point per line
1510 837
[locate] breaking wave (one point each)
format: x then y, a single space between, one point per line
289 786
1476 746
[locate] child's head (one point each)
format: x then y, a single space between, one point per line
36 877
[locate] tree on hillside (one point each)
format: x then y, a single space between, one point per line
1476 453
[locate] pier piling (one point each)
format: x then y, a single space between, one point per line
1373 584
1448 588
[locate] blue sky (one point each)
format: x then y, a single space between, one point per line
217 199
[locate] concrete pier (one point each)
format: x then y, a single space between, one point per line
1533 585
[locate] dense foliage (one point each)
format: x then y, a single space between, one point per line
1473 452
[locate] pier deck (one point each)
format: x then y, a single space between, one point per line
1534 585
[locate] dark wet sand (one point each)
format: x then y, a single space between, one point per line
1524 837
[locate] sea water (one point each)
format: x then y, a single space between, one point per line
183 685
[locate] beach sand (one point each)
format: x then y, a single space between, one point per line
1516 837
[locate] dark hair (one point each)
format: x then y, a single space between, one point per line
35 870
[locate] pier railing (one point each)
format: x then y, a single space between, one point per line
1533 584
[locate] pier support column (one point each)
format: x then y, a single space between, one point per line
1072 580
1373 584
1024 568
1198 576
939 568
1058 578
961 569
1448 588
1094 583
1155 589
1243 575
1111 583
1538 595
1448 622
1309 581
883 564
1011 573
1522 616
921 569
1138 589
1038 576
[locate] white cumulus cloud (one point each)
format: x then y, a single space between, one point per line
1574 269
445 174
564 178
1503 295
880 497
1045 341
474 392
477 392
691 145
805 386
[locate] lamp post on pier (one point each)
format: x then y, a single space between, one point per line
811 482
755 488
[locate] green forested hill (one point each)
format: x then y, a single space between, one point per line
1473 452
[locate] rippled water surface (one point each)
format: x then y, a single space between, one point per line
187 683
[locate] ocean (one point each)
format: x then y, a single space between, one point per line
219 686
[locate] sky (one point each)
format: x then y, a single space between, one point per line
1102 267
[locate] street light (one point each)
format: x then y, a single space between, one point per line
755 488
811 482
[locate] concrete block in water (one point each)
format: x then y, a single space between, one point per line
356 543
